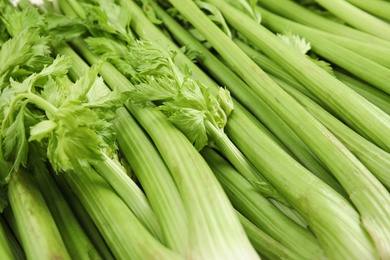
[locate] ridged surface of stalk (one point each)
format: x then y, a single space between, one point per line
39 234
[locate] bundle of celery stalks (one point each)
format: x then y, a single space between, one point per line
181 129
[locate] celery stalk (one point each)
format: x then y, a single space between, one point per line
131 194
39 234
16 249
83 217
362 67
267 247
261 212
192 178
326 146
77 242
114 219
296 12
159 187
357 18
374 158
209 239
155 179
378 98
6 249
378 8
256 105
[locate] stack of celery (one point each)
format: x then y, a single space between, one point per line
181 129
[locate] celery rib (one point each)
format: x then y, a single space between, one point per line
357 18
39 234
295 115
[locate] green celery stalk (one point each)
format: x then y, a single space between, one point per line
208 236
131 194
246 96
362 67
160 187
84 218
375 96
373 52
325 145
16 249
373 202
267 247
374 158
357 18
6 249
123 232
260 211
39 234
76 240
378 8
155 179
378 98
294 11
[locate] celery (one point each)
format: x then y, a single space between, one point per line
378 8
328 148
83 217
155 179
158 188
130 193
17 251
115 220
374 158
378 98
294 11
267 247
256 105
77 242
355 17
6 249
39 234
377 75
261 212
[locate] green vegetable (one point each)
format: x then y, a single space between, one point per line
294 115
354 17
39 234
261 212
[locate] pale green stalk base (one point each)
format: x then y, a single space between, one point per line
7 249
260 211
378 98
131 194
76 240
246 96
357 18
372 201
160 188
39 234
264 244
84 218
16 249
156 180
125 235
215 231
